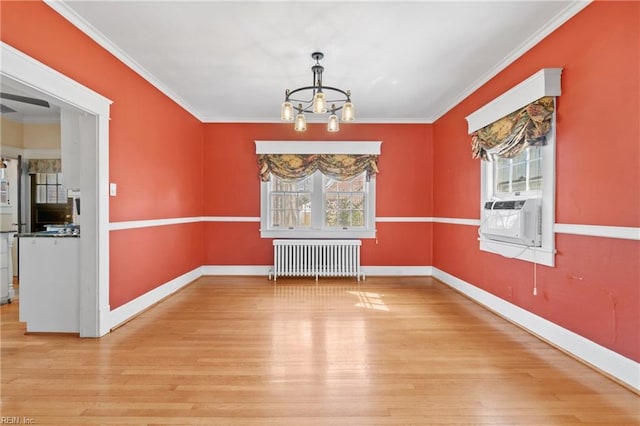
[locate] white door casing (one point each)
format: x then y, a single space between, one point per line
21 69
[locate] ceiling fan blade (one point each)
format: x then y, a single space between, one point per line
25 99
5 109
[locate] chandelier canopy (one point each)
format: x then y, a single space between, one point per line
315 99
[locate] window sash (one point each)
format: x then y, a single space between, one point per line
49 189
345 206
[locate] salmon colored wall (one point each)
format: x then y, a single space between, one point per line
155 148
593 290
232 188
147 257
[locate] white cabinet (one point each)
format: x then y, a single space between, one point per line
49 284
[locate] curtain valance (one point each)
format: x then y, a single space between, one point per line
299 166
45 166
510 135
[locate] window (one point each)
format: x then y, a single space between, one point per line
529 174
319 206
4 192
48 188
317 189
49 202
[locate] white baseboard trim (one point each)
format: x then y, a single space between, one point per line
621 368
130 309
236 270
383 271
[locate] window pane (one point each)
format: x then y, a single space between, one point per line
276 218
52 194
344 202
281 185
357 201
331 210
41 194
276 202
519 174
357 218
62 194
290 202
52 178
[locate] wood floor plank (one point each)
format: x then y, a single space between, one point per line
248 351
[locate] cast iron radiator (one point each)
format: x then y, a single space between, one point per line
316 258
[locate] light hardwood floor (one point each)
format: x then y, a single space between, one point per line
241 350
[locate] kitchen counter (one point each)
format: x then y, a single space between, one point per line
47 234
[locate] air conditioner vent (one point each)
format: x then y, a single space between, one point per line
513 221
505 205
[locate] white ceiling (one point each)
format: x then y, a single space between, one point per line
403 61
26 112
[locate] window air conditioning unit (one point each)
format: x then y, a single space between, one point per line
513 221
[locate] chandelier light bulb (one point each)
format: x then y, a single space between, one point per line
319 103
287 111
333 125
301 123
348 113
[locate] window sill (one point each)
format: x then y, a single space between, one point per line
301 233
539 255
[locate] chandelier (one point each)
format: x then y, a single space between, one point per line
314 100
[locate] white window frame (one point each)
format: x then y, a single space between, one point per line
546 82
318 230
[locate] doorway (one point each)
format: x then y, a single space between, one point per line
25 73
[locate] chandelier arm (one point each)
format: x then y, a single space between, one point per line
329 101
335 89
301 100
308 108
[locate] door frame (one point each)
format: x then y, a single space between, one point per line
22 69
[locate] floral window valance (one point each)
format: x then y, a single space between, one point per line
510 135
298 166
45 166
